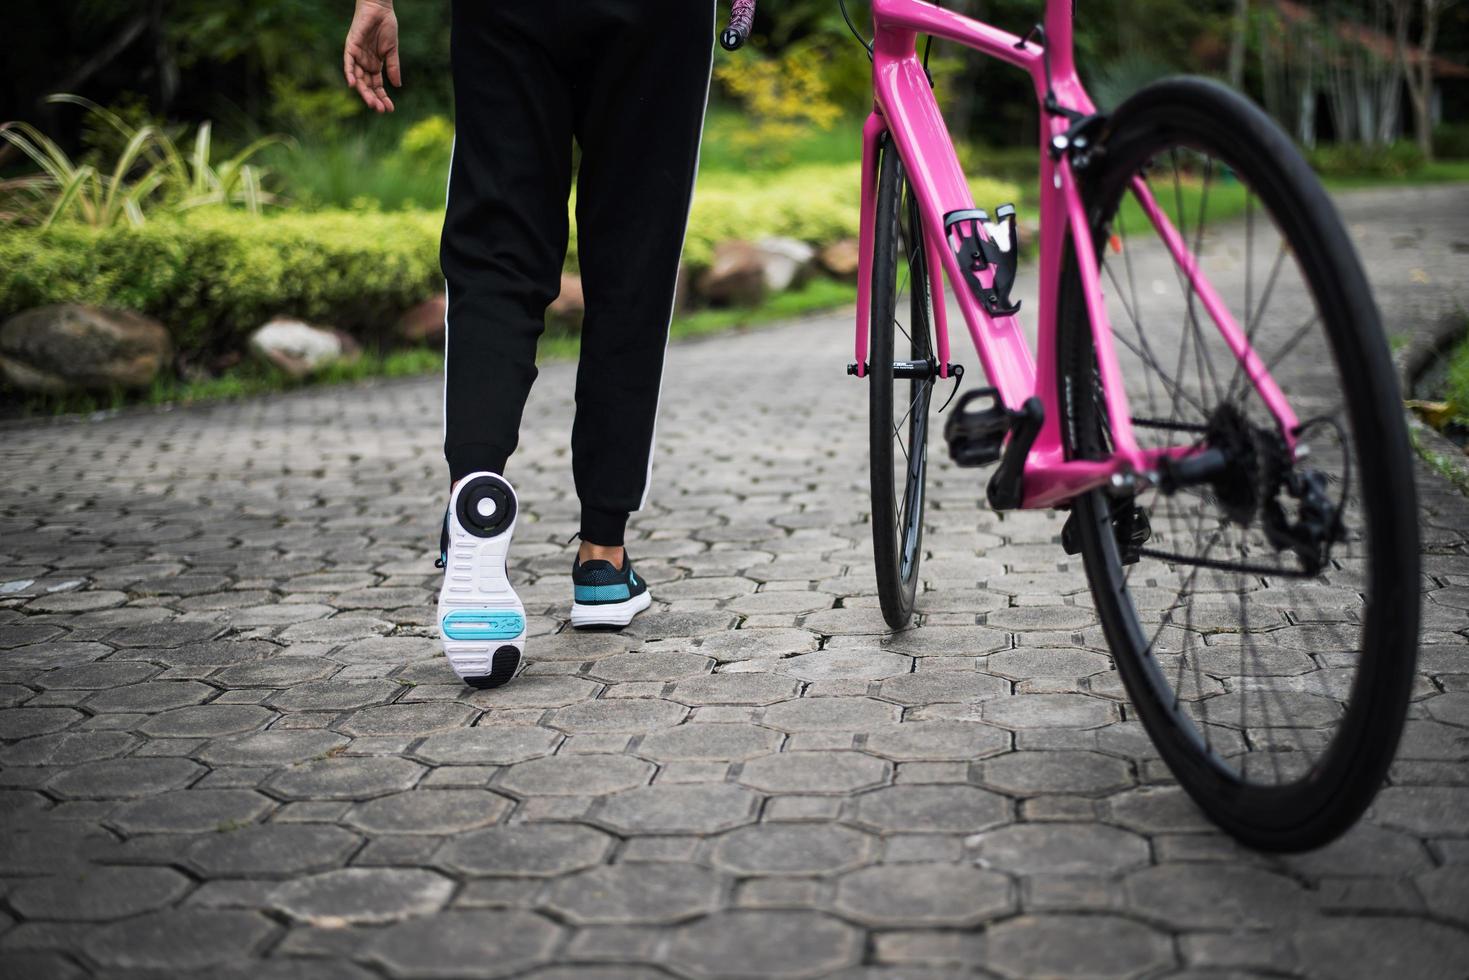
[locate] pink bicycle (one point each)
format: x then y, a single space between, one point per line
1214 404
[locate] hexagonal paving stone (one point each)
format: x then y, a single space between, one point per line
176 940
682 624
453 944
759 944
1158 809
945 641
1446 890
835 714
429 811
346 778
628 893
98 893
844 664
420 718
66 748
277 747
943 686
751 688
697 740
936 741
191 811
757 644
1106 947
1060 849
1023 711
814 772
496 746
575 775
525 849
537 691
16 723
278 672
114 779
206 720
362 895
792 849
958 809
674 809
272 849
1074 773
334 695
644 666
1372 947
618 716
96 677
1027 662
1425 810
1451 708
1216 896
923 895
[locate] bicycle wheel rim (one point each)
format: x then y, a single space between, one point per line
1293 791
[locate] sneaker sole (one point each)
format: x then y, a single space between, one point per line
608 614
481 619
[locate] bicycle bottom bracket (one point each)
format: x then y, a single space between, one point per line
486 506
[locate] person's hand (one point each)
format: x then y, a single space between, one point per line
372 45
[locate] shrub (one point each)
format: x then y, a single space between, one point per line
1451 141
213 275
1355 160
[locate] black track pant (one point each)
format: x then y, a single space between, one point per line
628 80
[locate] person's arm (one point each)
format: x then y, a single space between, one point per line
372 45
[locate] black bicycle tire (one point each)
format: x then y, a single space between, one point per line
894 536
1309 812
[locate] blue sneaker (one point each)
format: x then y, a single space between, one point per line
606 596
481 619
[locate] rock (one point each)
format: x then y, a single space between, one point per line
299 349
568 309
52 349
736 277
683 289
786 262
840 259
423 325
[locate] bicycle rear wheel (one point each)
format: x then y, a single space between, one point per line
898 406
1265 622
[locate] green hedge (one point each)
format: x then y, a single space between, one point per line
213 276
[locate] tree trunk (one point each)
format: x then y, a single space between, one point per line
1238 43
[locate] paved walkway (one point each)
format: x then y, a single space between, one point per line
230 744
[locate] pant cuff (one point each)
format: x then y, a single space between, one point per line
474 457
604 527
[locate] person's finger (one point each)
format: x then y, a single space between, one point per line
395 70
347 64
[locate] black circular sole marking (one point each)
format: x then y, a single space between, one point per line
502 668
481 488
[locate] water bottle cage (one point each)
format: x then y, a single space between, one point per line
977 252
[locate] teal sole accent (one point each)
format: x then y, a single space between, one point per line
603 593
483 624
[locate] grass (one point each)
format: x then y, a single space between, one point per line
1437 172
251 379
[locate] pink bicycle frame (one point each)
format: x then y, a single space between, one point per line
905 109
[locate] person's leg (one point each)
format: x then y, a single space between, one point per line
639 105
505 225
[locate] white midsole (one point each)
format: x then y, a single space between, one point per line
475 579
610 613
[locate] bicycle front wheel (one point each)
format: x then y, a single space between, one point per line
1264 621
898 405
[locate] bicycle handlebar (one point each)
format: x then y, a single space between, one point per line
741 18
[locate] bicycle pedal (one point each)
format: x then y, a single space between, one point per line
976 434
